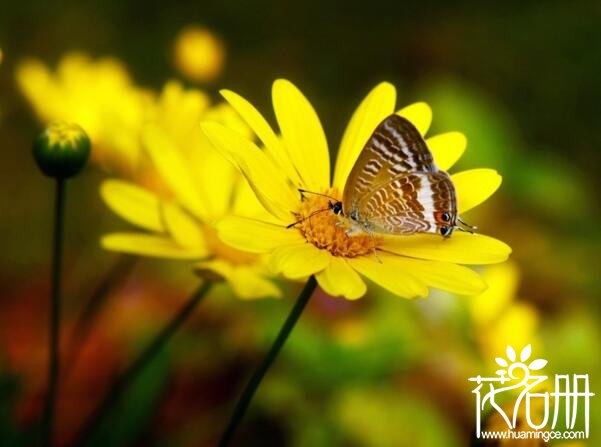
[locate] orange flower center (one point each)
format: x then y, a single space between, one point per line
327 231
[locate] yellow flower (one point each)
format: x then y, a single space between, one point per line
99 95
299 159
199 54
498 319
194 187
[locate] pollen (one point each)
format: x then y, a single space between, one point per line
324 229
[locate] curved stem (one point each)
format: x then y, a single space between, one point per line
257 377
93 308
55 309
125 379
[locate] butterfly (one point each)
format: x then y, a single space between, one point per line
395 187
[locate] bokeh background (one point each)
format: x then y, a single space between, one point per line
520 79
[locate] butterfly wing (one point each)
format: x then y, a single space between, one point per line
395 147
410 203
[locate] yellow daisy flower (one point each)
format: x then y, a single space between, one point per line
194 187
498 318
299 158
99 95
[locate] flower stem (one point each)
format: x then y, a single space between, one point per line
55 304
93 308
125 379
260 372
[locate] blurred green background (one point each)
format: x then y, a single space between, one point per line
520 79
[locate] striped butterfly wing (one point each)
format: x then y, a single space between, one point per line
395 147
410 203
395 187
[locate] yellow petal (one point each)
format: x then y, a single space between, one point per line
147 245
186 231
462 248
246 281
134 204
303 135
174 170
259 125
502 280
420 114
214 176
376 106
268 183
516 326
388 275
244 203
298 260
441 275
248 284
38 86
255 236
447 148
339 279
474 186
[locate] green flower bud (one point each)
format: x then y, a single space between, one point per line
61 150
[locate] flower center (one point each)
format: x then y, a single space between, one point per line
324 231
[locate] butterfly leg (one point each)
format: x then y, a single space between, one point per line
350 232
465 227
373 240
345 223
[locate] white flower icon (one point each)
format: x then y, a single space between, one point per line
525 354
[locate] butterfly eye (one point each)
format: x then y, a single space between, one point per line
445 217
336 207
444 230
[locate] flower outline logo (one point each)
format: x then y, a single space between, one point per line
520 374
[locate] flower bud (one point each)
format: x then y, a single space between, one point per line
199 54
62 149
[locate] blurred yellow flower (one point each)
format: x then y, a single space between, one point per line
99 95
499 320
198 54
194 186
351 331
300 159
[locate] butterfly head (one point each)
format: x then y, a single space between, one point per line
322 221
445 222
336 207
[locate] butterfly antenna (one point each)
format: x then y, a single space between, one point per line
307 217
466 227
304 191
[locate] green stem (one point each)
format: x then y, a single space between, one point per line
260 372
54 361
125 379
93 309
